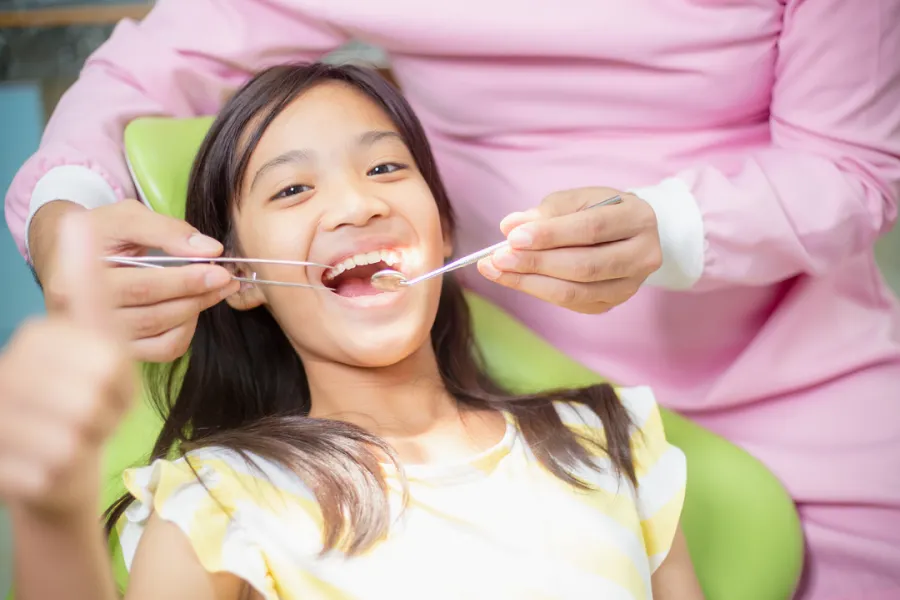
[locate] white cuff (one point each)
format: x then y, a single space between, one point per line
73 183
680 233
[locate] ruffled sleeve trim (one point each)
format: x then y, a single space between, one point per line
200 502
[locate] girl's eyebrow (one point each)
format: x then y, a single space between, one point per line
291 156
371 137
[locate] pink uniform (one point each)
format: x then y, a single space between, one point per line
765 133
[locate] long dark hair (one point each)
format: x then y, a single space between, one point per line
243 387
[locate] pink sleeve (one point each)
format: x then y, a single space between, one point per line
828 184
183 59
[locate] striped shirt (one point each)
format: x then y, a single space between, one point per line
496 526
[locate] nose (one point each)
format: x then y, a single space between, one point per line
354 205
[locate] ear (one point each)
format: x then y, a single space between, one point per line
249 296
448 244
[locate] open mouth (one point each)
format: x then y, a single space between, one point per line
352 277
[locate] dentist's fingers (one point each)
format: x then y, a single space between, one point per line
140 286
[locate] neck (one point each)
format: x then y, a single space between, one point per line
406 405
402 400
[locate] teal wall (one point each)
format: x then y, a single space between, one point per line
21 121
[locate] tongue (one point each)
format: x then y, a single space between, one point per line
357 281
351 287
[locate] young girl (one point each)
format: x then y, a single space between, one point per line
346 444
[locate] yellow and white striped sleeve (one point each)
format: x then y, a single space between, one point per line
203 509
661 471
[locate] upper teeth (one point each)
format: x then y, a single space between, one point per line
389 257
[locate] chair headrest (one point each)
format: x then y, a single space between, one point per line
160 152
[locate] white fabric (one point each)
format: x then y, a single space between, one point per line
681 233
74 183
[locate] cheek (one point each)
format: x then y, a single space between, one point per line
425 218
266 238
274 235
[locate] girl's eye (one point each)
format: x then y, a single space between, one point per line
292 190
385 169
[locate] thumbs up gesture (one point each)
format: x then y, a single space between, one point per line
65 382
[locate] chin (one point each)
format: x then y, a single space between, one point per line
386 343
382 330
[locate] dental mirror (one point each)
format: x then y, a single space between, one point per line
389 280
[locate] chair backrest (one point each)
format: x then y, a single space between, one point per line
742 527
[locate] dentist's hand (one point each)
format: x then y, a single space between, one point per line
585 260
157 309
65 382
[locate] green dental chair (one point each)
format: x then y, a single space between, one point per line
741 526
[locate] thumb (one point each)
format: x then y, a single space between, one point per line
87 302
513 220
559 204
553 205
140 226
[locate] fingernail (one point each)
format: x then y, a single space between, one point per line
489 270
521 237
504 259
512 218
216 278
202 242
519 218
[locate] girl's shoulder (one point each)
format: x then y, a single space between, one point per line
660 466
226 474
231 506
650 447
639 402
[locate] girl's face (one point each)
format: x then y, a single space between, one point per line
332 182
